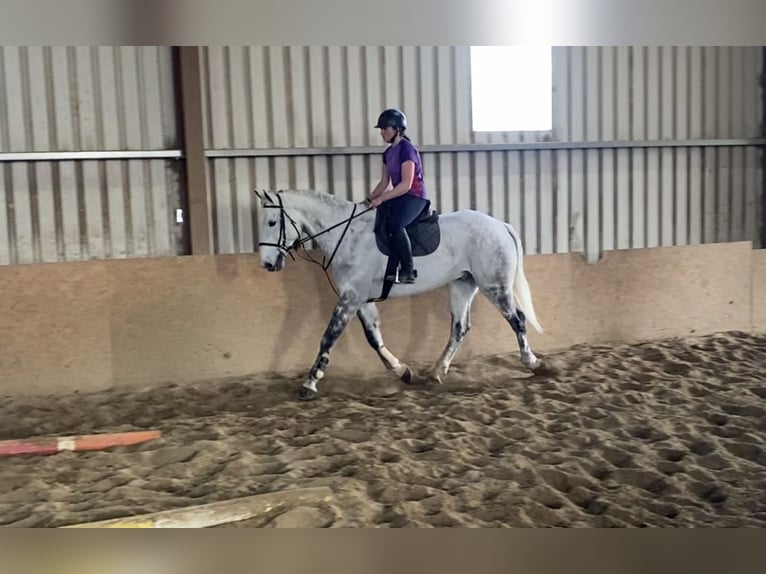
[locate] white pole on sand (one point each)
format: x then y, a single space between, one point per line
216 513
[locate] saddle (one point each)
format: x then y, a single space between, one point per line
424 233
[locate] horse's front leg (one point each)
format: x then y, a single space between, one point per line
347 306
370 318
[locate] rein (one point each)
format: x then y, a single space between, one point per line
301 241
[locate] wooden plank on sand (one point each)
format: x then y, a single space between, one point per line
213 514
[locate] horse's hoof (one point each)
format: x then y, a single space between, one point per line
433 379
418 380
407 376
545 368
306 394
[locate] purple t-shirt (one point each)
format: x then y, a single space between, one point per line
395 156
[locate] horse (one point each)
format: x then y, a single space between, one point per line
474 252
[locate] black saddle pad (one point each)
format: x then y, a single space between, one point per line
424 232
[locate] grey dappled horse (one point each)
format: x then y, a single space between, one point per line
476 253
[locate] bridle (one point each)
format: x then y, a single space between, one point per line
282 240
285 249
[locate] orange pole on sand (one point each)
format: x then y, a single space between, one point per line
53 445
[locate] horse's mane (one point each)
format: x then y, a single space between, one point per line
323 197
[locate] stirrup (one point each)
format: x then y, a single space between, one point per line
407 279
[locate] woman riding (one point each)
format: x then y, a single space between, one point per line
402 169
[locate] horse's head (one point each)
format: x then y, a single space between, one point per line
277 231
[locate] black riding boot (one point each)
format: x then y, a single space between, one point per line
400 243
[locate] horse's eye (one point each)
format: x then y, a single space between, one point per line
272 223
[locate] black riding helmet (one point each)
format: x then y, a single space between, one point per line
392 118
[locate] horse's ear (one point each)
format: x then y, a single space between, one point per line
266 193
258 195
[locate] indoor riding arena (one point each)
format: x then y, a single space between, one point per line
149 362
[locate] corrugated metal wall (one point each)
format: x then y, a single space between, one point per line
93 99
274 102
274 98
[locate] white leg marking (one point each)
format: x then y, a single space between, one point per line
389 358
530 360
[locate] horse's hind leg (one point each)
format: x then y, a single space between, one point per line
462 292
502 298
370 318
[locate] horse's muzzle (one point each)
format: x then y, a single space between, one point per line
276 266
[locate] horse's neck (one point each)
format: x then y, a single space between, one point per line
317 216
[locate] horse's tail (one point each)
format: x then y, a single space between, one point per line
520 285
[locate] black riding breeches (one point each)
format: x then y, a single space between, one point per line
400 212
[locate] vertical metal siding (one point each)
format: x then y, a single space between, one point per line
86 98
69 99
76 210
561 200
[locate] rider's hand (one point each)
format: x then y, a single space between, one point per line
376 202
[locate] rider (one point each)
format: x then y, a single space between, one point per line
402 167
